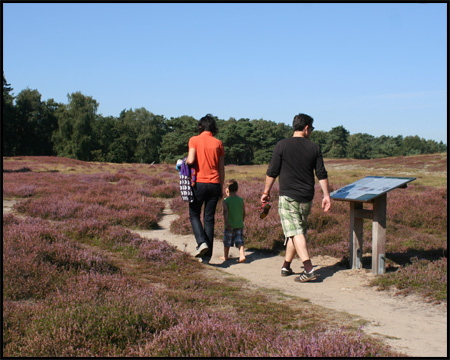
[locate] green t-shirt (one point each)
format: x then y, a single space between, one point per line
235 206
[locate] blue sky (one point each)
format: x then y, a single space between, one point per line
376 68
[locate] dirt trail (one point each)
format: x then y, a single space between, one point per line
408 324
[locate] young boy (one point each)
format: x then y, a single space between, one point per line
233 215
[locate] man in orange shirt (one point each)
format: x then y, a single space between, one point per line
206 154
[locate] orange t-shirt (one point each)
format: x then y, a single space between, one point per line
208 150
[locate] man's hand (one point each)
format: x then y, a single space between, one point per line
326 203
265 198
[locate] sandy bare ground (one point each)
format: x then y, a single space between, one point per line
408 324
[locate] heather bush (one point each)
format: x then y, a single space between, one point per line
120 208
52 208
109 315
425 277
154 181
86 228
36 257
402 241
145 217
114 237
161 252
95 315
145 191
212 335
19 190
200 334
328 232
20 185
101 232
115 178
178 206
165 191
66 196
118 237
169 174
9 219
182 225
44 183
330 343
423 210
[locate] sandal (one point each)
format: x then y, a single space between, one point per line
264 210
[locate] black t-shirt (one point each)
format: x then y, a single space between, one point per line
295 159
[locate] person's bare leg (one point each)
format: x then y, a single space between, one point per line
225 253
241 254
299 242
302 252
290 250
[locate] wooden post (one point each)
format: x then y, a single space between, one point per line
356 235
379 235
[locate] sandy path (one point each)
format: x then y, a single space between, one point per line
408 324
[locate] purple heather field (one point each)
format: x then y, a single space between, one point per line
73 271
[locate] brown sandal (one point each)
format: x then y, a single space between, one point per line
264 210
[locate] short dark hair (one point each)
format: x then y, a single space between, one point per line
300 121
207 123
232 185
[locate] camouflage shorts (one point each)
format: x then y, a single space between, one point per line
293 215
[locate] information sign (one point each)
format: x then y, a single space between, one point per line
369 188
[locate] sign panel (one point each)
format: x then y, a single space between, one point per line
369 188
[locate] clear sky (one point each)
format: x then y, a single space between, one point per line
375 68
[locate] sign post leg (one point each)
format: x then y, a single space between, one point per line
379 235
356 236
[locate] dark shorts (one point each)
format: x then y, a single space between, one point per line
233 237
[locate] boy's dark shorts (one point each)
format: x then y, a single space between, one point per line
234 237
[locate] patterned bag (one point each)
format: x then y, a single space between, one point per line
186 179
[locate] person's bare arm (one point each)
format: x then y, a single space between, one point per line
191 156
221 170
326 201
267 187
225 215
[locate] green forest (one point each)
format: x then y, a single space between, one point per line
33 127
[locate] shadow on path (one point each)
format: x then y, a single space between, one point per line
250 255
254 255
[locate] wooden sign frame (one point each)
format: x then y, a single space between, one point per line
371 189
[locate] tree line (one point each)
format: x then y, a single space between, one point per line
34 127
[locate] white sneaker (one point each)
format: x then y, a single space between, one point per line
202 250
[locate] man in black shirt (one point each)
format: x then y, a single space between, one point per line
295 160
